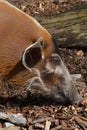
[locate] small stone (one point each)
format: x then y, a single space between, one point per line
7 124
14 118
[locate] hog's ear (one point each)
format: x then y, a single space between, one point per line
33 54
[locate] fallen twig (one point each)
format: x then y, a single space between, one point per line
38 121
41 120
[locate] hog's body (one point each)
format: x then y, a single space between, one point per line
21 47
18 31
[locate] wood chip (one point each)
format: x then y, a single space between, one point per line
47 126
38 125
63 123
84 102
83 118
81 122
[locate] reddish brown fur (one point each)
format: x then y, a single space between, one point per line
18 31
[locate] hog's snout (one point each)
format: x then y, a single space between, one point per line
73 94
66 93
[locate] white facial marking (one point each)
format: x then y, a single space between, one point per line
59 70
49 68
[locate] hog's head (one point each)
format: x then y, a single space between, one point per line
52 77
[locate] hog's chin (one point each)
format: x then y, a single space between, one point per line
66 95
61 99
73 94
59 96
76 99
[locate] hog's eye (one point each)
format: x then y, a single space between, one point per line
55 60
